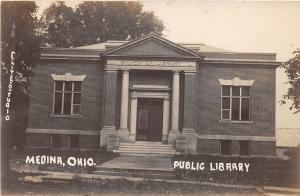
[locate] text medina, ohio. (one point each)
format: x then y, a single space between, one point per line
58 160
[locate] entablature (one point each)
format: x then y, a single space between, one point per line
151 65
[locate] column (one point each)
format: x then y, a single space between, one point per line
166 114
189 100
109 104
188 113
174 132
175 103
124 101
110 98
133 118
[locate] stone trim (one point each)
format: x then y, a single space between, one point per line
151 65
163 95
187 72
237 121
68 77
150 88
67 149
241 62
65 115
78 57
236 81
234 137
61 131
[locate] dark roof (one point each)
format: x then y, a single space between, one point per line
209 52
110 44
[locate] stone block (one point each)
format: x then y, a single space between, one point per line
104 133
191 140
263 148
173 134
113 141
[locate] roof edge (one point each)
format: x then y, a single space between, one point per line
156 36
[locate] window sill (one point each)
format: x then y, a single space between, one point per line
236 121
65 116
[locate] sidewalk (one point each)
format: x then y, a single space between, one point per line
139 162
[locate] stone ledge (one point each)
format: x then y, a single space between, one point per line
234 137
61 131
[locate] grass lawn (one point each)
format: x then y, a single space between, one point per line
13 186
262 171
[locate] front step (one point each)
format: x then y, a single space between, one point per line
146 148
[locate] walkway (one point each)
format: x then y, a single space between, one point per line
139 162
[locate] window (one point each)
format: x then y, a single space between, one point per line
67 97
244 148
73 141
58 141
55 141
225 147
235 103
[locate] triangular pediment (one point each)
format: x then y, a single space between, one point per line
152 45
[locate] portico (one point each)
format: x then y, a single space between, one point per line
144 99
150 92
130 96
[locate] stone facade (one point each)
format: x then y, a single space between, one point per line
186 82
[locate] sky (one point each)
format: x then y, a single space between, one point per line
240 26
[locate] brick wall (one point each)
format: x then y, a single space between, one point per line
41 96
208 146
89 142
262 148
259 148
43 140
38 140
208 104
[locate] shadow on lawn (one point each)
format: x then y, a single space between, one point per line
262 171
15 186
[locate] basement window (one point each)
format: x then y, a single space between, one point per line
73 141
225 147
55 141
244 148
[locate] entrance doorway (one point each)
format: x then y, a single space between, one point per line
149 119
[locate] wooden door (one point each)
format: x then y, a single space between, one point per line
149 119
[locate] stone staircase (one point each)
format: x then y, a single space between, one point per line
146 149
